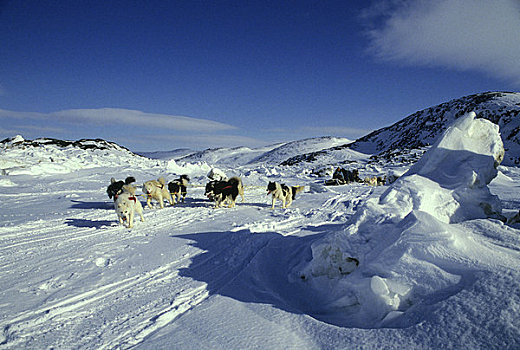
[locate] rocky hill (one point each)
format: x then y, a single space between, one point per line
50 156
416 132
271 154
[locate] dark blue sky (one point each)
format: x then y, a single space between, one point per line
252 72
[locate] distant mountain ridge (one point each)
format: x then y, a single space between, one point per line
271 154
100 144
403 141
51 156
422 128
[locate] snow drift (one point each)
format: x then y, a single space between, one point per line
405 249
51 156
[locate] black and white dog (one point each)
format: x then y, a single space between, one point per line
283 192
116 187
222 191
178 187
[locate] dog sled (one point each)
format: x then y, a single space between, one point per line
343 176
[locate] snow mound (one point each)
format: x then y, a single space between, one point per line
450 181
405 248
6 183
198 169
51 156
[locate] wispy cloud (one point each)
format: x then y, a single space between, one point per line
28 130
122 117
114 115
135 129
462 34
5 133
42 130
147 131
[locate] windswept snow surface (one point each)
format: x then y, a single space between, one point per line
193 277
415 253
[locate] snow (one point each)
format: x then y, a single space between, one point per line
417 271
267 155
408 244
423 127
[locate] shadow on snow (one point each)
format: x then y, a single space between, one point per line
90 223
265 268
258 268
92 205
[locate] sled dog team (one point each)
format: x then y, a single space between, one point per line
344 176
219 190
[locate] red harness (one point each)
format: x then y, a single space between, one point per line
133 199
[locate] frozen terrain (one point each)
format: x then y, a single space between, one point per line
422 128
437 267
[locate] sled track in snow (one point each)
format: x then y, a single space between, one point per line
94 249
56 316
58 241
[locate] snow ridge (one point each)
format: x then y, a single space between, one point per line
52 156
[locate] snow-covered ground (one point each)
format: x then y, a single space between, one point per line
190 276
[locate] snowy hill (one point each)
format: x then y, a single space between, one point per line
294 148
419 130
48 156
167 155
226 156
271 154
424 127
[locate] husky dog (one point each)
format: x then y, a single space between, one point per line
240 186
371 181
282 192
209 190
157 189
344 176
178 187
224 191
116 187
127 205
381 180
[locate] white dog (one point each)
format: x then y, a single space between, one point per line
217 175
158 190
126 205
284 193
370 181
